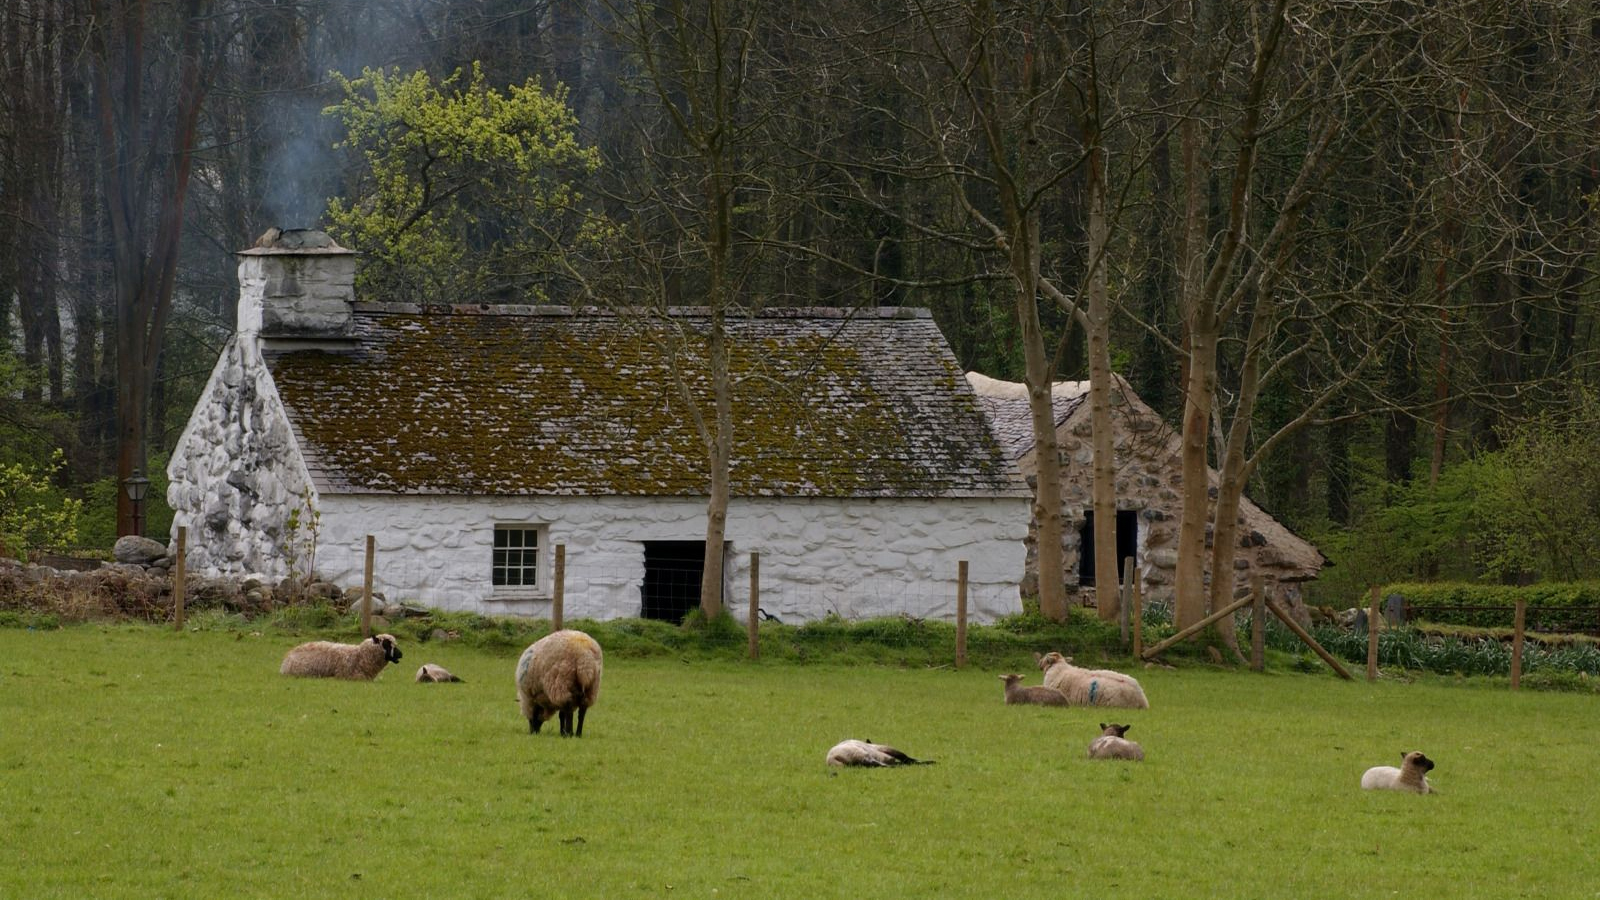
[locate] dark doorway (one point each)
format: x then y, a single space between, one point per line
1127 544
672 573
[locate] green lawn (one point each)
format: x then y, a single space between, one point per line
136 762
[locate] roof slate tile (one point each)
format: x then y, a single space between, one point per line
540 400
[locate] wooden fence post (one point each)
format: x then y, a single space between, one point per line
1258 624
961 613
1516 644
1372 637
1138 615
755 604
366 591
179 570
558 589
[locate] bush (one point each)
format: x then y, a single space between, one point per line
1569 606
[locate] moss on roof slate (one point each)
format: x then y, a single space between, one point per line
586 402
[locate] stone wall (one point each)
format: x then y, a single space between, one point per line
236 473
1150 482
858 558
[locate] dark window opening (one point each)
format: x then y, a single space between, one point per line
1127 544
672 573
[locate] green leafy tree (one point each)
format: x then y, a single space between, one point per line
463 193
33 513
1540 512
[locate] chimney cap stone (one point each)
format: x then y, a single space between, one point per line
295 241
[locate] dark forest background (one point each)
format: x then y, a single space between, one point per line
1420 183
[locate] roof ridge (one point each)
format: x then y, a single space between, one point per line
522 309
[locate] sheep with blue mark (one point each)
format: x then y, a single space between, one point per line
1091 687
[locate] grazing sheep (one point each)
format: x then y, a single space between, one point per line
1038 694
326 659
1091 687
1411 776
432 674
557 675
1111 744
866 753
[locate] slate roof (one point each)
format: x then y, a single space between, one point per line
1005 404
552 400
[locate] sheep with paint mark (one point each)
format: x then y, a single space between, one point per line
559 675
1411 776
1037 695
1091 687
326 659
1111 744
865 753
431 673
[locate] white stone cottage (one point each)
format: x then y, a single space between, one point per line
1149 482
471 440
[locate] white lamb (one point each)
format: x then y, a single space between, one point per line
431 673
1091 687
1411 776
865 753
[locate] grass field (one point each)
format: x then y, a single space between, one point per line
136 762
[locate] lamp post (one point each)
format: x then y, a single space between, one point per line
136 485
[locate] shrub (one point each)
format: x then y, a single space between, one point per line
1569 606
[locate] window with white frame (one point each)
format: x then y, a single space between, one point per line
516 556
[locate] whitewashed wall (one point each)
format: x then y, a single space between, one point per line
855 557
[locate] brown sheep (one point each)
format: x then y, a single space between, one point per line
559 674
326 659
1037 694
1112 745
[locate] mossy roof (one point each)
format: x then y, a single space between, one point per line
558 401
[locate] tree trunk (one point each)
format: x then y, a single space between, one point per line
1100 386
1041 404
719 449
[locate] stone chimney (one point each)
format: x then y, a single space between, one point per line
296 283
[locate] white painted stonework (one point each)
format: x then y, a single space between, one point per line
858 558
236 472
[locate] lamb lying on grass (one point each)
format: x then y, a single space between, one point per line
559 674
432 674
1112 745
1091 687
866 753
1038 694
326 659
1411 776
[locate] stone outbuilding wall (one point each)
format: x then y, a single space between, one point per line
1149 485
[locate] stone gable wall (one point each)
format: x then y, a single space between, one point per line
1150 482
237 472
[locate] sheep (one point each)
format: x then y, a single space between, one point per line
557 675
865 753
1091 687
1038 694
1111 744
431 674
326 659
1411 776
